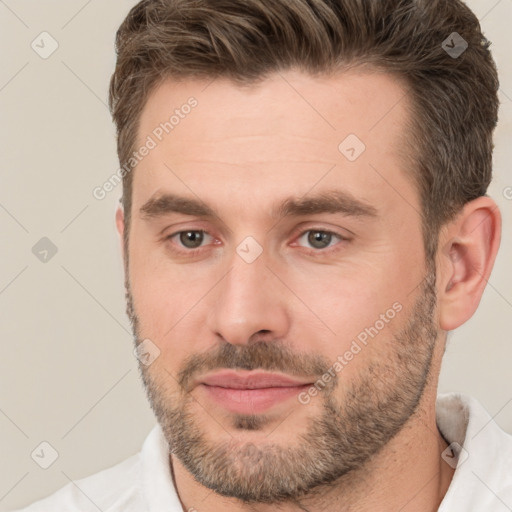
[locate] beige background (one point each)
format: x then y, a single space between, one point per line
67 372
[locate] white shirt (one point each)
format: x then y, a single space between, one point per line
482 481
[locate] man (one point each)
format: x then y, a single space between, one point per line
304 219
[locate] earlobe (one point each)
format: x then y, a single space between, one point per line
468 249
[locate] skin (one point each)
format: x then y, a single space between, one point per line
241 151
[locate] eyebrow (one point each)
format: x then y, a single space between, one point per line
330 201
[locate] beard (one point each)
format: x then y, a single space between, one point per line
341 438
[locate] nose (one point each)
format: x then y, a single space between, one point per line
249 301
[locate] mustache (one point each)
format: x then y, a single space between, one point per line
263 355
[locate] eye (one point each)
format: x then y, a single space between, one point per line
319 239
191 239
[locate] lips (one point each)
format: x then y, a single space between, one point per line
251 380
250 392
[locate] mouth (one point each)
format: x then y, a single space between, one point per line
244 392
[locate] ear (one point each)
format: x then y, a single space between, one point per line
467 252
120 225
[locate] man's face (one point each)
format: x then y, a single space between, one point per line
270 290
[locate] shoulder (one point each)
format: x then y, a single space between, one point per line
483 472
111 490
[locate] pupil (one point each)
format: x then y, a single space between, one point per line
191 239
319 239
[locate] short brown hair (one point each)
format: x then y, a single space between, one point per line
454 100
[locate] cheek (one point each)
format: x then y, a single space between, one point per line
150 288
169 301
163 297
352 295
354 309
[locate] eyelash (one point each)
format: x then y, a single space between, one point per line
311 252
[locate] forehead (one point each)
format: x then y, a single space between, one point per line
291 132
